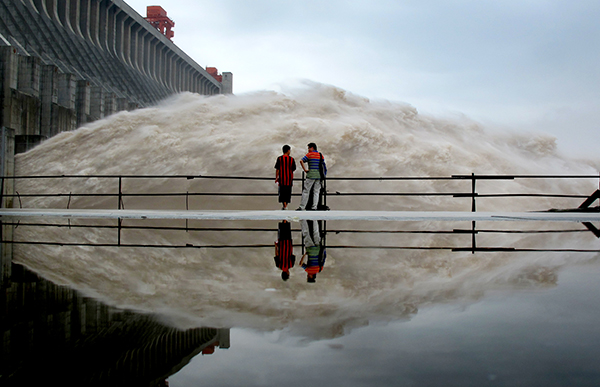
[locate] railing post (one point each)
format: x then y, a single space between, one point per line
473 180
2 164
325 193
473 209
2 193
120 221
120 191
473 239
187 208
301 233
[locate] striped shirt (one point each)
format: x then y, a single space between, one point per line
312 262
285 258
286 165
314 158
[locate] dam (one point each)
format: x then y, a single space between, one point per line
65 63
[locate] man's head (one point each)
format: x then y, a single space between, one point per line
286 149
285 275
313 146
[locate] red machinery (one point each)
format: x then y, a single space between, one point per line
215 73
157 16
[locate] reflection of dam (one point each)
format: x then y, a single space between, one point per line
53 333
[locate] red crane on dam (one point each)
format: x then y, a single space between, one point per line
215 73
157 16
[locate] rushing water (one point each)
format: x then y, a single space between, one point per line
241 287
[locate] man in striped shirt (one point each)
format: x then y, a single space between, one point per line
314 173
284 176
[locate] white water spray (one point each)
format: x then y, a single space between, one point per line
242 135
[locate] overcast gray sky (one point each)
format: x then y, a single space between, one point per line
523 65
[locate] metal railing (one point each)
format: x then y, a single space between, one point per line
472 193
120 194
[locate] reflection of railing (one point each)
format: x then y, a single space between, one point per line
328 246
121 194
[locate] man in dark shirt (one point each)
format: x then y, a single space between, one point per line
284 176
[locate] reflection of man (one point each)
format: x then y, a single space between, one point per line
315 252
284 250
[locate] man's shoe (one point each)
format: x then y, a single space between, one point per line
299 209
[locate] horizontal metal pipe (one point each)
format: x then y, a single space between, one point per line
512 177
371 178
330 195
330 231
190 246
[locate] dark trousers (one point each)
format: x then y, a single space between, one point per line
285 193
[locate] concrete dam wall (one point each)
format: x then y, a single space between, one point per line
65 63
68 62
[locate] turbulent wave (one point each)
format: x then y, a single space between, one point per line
242 135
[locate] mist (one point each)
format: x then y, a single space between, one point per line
242 135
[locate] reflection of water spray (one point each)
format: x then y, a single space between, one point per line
242 135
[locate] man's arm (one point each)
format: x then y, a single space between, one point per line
302 260
303 167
